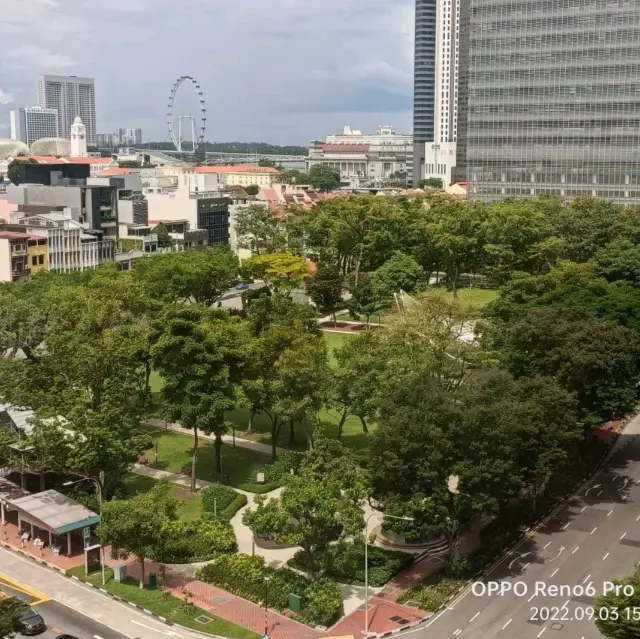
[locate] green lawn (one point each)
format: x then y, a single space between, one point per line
476 298
171 608
175 451
190 507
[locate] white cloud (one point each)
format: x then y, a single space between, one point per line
5 98
264 67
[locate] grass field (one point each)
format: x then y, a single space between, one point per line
190 507
171 608
476 298
175 451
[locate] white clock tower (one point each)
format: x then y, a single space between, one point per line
78 139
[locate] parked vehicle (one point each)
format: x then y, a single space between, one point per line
32 622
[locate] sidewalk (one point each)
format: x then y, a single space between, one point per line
228 606
249 444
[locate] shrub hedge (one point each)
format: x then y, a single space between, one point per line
191 541
222 500
431 596
344 562
244 575
260 489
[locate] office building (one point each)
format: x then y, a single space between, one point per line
424 80
440 150
242 175
366 158
33 123
554 99
123 138
72 97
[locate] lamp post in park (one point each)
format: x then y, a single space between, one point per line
366 565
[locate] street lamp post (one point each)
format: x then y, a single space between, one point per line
266 606
99 486
366 565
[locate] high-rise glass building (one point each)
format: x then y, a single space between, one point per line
33 123
424 75
551 91
72 97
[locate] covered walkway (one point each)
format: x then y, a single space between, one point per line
58 516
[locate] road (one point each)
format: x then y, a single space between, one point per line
68 606
592 539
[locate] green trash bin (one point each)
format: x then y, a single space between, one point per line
295 602
153 581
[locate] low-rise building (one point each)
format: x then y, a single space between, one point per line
381 156
262 176
38 252
14 256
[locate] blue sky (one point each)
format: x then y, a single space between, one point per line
282 71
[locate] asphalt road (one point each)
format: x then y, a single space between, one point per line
593 539
59 618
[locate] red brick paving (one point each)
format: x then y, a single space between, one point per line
235 609
380 615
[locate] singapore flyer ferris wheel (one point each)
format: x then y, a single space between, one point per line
187 124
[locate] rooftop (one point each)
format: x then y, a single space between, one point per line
236 169
11 235
56 511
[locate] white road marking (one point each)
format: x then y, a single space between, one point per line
638 518
525 566
609 513
548 543
566 603
596 528
562 548
554 572
584 581
623 536
169 633
541 633
530 598
605 556
599 493
583 509
97 637
575 550
474 617
506 624
457 632
566 526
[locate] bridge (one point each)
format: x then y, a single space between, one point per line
218 157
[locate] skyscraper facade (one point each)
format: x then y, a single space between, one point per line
424 75
440 150
72 97
33 123
553 99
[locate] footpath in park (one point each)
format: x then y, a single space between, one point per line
240 442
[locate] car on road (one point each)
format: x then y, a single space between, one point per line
241 287
32 622
67 637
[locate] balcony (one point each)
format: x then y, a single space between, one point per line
20 274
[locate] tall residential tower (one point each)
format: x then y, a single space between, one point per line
72 97
554 99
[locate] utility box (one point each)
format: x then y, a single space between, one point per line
295 602
120 572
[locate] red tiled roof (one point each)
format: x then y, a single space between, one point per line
11 235
237 169
270 195
345 148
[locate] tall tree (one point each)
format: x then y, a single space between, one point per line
199 276
616 614
325 288
355 381
259 231
323 177
281 272
136 526
399 273
11 611
197 353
